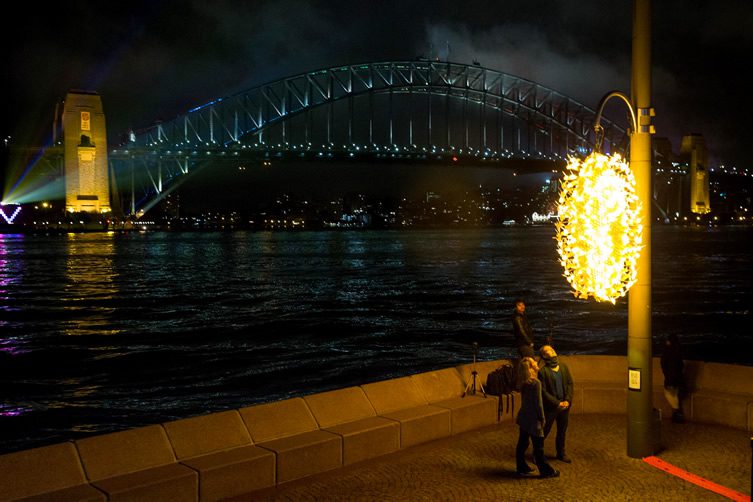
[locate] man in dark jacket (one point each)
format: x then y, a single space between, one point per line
557 393
522 330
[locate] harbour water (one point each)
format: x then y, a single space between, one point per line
101 332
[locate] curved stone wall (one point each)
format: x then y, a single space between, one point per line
233 452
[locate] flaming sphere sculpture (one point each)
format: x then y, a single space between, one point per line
599 231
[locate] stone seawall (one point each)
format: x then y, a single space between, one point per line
225 454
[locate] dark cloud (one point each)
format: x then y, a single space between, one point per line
152 60
531 53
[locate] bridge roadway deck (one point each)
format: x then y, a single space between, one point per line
480 466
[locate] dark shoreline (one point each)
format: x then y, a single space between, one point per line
29 230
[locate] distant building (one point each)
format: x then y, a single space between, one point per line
694 153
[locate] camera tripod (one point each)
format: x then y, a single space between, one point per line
471 387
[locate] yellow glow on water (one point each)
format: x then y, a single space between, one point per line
599 233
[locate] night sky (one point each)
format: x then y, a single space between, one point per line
155 60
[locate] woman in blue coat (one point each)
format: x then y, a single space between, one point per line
531 422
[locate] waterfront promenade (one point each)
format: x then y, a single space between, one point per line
405 439
480 466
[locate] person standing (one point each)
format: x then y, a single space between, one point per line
672 366
522 330
557 393
531 422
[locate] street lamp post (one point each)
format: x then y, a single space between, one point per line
641 441
642 437
611 256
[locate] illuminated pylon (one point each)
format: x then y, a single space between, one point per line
87 186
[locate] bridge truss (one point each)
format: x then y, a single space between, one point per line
410 110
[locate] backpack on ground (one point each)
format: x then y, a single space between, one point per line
502 382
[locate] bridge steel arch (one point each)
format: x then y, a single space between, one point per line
404 109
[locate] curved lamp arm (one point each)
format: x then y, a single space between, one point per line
598 130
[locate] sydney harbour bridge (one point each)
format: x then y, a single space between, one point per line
396 111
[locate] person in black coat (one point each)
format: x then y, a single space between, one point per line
672 366
557 393
531 422
522 330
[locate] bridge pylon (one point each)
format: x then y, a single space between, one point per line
87 186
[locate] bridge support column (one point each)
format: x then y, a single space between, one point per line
133 188
392 132
410 117
448 129
428 119
350 121
483 123
371 119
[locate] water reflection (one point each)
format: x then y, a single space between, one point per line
13 411
11 270
11 274
90 287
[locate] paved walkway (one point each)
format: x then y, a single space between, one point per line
480 466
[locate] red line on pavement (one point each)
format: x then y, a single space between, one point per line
696 480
